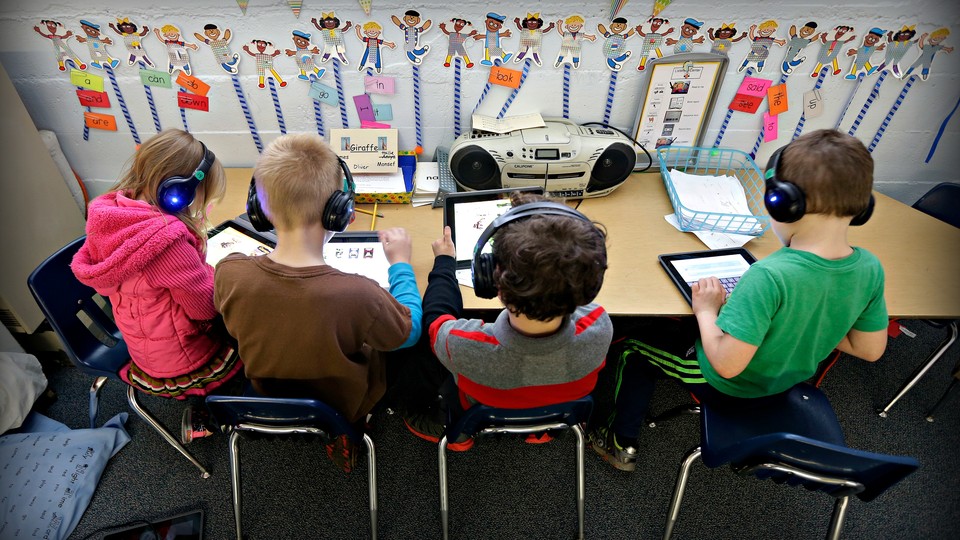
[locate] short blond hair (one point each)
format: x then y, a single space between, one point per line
369 25
940 32
295 176
768 24
168 28
574 19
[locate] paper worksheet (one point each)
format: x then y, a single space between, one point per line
704 197
508 124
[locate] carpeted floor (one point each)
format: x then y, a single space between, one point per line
505 489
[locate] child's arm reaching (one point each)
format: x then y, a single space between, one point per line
442 299
728 355
403 284
868 346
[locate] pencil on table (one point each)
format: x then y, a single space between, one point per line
373 222
367 212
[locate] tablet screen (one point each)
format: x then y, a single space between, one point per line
232 239
358 253
469 213
727 265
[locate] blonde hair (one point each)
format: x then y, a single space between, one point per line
768 24
940 32
295 176
168 28
574 19
173 152
372 24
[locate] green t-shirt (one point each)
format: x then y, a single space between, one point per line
796 307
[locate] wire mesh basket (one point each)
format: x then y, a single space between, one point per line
715 162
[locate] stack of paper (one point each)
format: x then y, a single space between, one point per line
713 207
427 184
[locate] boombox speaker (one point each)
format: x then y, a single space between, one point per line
566 159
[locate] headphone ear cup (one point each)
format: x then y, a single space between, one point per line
483 284
338 213
864 216
254 211
784 201
175 194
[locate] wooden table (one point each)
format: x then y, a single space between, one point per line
920 254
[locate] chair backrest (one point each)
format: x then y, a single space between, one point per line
480 417
81 318
942 202
798 429
280 412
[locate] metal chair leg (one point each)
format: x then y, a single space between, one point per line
372 480
836 520
444 503
95 399
148 418
235 479
943 398
674 511
581 478
922 370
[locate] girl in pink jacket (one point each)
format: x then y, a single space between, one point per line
151 265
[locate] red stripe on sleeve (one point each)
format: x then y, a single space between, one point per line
587 320
435 328
475 336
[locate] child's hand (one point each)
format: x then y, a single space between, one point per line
397 245
444 244
708 295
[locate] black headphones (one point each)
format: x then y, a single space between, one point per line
338 213
483 264
177 192
785 201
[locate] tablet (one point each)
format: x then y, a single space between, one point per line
188 526
232 237
468 213
685 269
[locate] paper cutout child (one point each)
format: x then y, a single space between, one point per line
492 37
652 40
332 35
97 45
127 30
763 37
897 45
614 42
723 38
928 51
571 40
798 41
829 51
177 56
303 54
411 35
689 29
371 38
531 36
861 64
264 55
220 46
456 39
63 51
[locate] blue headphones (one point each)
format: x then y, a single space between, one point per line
177 192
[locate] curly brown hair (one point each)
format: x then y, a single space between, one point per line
547 265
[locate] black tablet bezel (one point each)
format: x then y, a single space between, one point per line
196 518
666 261
453 199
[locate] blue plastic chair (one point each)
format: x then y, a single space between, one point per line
481 420
284 416
792 438
83 321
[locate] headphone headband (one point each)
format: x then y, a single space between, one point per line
177 192
338 212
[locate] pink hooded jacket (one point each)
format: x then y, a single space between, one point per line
151 267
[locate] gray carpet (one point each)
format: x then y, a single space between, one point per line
506 489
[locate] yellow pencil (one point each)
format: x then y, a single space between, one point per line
367 212
373 222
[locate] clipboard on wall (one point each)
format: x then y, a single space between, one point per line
678 98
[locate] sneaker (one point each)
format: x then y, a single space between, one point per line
621 454
194 424
428 429
343 453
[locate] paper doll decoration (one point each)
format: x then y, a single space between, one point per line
897 45
652 40
928 51
861 64
97 45
456 40
799 39
531 36
688 31
830 50
263 53
220 46
332 36
132 41
371 38
65 54
571 40
762 37
614 44
303 54
724 38
411 35
492 37
177 56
